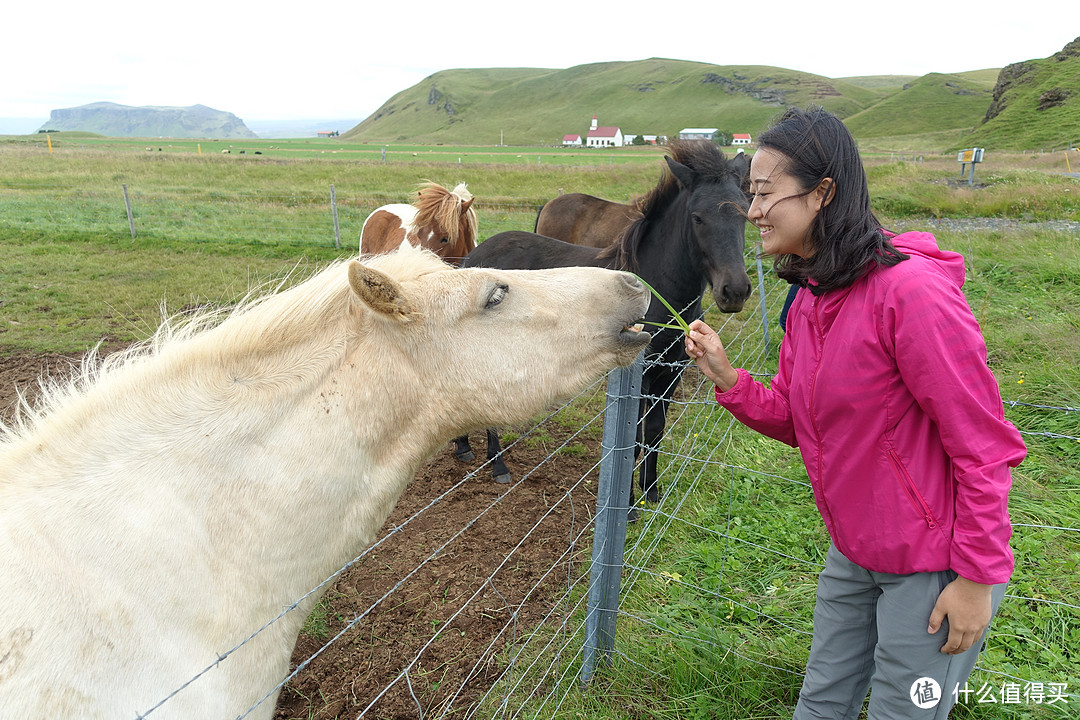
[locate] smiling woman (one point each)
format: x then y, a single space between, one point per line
781 209
883 386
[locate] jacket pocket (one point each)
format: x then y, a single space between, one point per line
912 492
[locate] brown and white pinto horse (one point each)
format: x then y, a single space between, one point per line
442 221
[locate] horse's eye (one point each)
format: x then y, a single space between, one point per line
445 239
496 296
696 218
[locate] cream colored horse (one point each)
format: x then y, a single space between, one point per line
169 503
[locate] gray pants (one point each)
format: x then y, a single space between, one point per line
870 632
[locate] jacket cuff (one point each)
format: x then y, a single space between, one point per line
721 395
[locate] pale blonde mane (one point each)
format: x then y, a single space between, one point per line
272 336
436 204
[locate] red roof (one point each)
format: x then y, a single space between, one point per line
740 136
604 132
571 137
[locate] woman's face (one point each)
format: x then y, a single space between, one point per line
779 209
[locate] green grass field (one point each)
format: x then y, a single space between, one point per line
713 624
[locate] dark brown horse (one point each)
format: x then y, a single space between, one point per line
691 233
586 220
440 220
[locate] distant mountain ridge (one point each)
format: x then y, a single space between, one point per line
529 106
114 120
533 106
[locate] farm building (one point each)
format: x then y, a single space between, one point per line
571 140
603 136
740 139
648 139
697 134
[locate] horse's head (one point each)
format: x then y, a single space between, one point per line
716 207
445 221
465 348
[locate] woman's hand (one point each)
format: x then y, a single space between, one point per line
968 606
703 344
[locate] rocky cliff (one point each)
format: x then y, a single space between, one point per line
111 119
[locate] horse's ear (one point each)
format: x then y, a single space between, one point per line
741 164
379 291
466 204
683 174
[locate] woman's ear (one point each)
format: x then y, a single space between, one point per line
826 191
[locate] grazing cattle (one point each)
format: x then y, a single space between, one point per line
164 516
586 220
442 221
691 233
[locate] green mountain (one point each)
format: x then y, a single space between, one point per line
527 106
1034 104
931 103
1024 106
113 120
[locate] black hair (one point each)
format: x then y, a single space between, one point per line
846 237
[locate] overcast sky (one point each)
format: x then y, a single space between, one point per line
343 60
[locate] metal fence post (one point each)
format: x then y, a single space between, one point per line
333 211
131 218
761 294
612 507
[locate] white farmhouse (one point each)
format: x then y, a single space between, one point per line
603 136
571 140
740 139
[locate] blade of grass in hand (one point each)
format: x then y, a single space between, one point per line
674 315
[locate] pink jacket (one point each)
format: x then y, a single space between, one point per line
884 388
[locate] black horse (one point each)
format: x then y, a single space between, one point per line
691 233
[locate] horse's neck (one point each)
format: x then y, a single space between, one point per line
270 491
320 482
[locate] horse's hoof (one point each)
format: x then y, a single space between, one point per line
633 515
652 495
502 478
466 457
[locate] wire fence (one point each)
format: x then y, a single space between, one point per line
510 635
749 583
328 216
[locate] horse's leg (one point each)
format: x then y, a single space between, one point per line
499 471
462 450
663 384
654 423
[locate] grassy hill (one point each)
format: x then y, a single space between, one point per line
1035 104
931 103
656 96
535 106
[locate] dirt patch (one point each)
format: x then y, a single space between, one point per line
462 579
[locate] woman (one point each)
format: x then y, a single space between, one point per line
884 388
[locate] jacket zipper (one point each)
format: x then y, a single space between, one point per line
910 490
813 420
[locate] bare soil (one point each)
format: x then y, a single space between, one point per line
445 614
